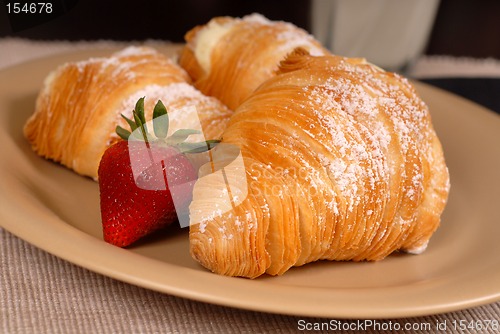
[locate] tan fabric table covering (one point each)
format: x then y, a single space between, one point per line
40 293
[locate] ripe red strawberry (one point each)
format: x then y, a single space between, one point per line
135 178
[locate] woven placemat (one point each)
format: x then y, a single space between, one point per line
41 293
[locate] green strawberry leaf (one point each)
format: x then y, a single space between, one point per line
139 109
160 120
180 135
197 147
139 117
130 122
124 134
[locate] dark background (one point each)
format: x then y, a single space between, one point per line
154 19
462 27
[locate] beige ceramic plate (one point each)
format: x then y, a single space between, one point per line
58 211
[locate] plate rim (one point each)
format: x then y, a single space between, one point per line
58 226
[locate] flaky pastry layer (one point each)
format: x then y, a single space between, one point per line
79 106
341 163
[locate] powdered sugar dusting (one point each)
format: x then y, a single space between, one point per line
288 36
123 66
358 114
418 250
135 51
257 18
188 108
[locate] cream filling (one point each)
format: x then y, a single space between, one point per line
206 39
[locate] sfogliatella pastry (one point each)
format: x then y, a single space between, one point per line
230 57
341 163
80 104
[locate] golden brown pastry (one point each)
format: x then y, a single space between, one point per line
230 57
341 163
80 104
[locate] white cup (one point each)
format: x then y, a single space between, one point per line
388 33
